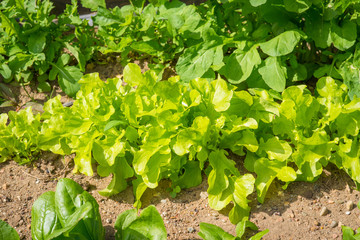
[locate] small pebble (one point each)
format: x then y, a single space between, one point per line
191 230
277 214
163 201
349 205
324 211
347 212
108 221
333 224
37 181
316 223
314 228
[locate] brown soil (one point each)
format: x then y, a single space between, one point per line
293 213
290 214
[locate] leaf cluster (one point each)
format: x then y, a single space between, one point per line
269 44
142 130
36 44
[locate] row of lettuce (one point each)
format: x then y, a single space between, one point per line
72 213
141 130
267 44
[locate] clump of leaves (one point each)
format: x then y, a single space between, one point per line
70 212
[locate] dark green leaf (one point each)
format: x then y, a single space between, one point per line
7 232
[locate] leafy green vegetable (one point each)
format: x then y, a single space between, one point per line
148 130
148 225
70 212
7 232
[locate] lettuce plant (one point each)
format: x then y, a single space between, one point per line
68 213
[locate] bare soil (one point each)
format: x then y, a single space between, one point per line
293 213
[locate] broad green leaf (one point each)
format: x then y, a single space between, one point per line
218 180
266 171
264 107
105 151
5 71
68 78
351 75
121 172
332 96
276 149
298 106
151 47
7 232
240 103
72 222
195 61
66 192
69 199
151 176
259 235
222 199
344 36
244 186
240 65
133 75
220 95
349 162
191 136
308 163
256 3
282 44
297 6
348 233
321 34
36 42
212 232
286 174
44 219
149 225
237 140
142 157
274 74
191 176
124 220
93 4
83 160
